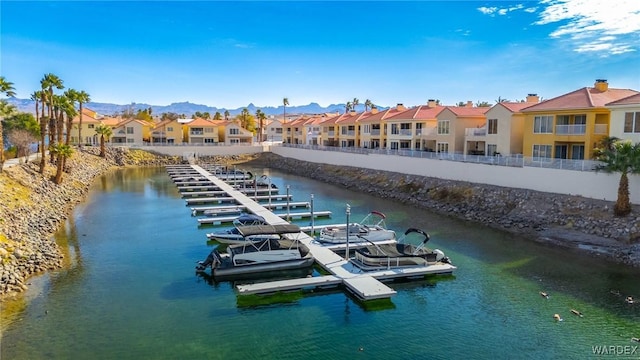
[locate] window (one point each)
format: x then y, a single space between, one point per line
129 140
543 124
394 145
395 129
492 127
492 149
442 147
209 141
129 129
632 122
170 128
580 119
208 130
541 151
278 130
234 131
196 131
443 128
91 126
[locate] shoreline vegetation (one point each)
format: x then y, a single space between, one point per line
34 207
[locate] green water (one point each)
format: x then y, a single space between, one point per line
130 292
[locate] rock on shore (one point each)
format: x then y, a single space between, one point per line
569 221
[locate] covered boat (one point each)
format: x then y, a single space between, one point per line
255 257
372 228
234 236
401 254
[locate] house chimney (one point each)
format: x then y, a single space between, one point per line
432 103
533 98
469 104
400 107
601 85
374 110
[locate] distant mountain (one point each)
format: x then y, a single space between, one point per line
189 109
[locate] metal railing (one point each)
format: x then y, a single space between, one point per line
580 129
511 160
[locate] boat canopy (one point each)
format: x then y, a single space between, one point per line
268 229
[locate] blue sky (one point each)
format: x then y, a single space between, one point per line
230 54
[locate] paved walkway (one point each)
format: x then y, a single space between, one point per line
12 162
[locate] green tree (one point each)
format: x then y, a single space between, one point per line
247 121
6 88
21 121
226 115
105 132
285 102
261 116
217 116
621 157
169 116
48 82
347 107
144 115
355 103
82 98
368 105
483 104
62 152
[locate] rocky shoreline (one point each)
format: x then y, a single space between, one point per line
572 222
34 208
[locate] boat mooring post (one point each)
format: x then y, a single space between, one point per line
288 216
269 195
312 222
346 253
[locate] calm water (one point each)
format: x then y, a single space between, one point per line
130 292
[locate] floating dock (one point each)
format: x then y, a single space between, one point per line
213 220
365 285
272 206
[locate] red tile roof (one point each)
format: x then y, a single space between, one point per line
515 106
584 98
468 111
629 100
201 122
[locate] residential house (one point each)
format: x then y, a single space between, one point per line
231 133
293 130
502 133
570 126
329 130
167 132
201 131
132 131
273 131
409 129
373 128
348 129
452 122
625 118
90 120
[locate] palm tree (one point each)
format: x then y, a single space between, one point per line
62 151
347 107
355 103
6 87
368 105
285 102
226 115
82 98
48 82
244 113
217 116
623 157
261 117
103 131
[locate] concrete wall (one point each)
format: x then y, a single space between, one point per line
205 150
582 183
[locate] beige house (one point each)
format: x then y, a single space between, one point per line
201 131
502 133
132 131
274 131
625 118
167 132
407 129
452 122
231 133
90 120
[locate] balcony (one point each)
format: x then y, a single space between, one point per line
475 131
375 131
571 129
601 129
196 132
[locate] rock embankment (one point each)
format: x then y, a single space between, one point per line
569 221
33 208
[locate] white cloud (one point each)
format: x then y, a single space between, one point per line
492 11
597 26
488 10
